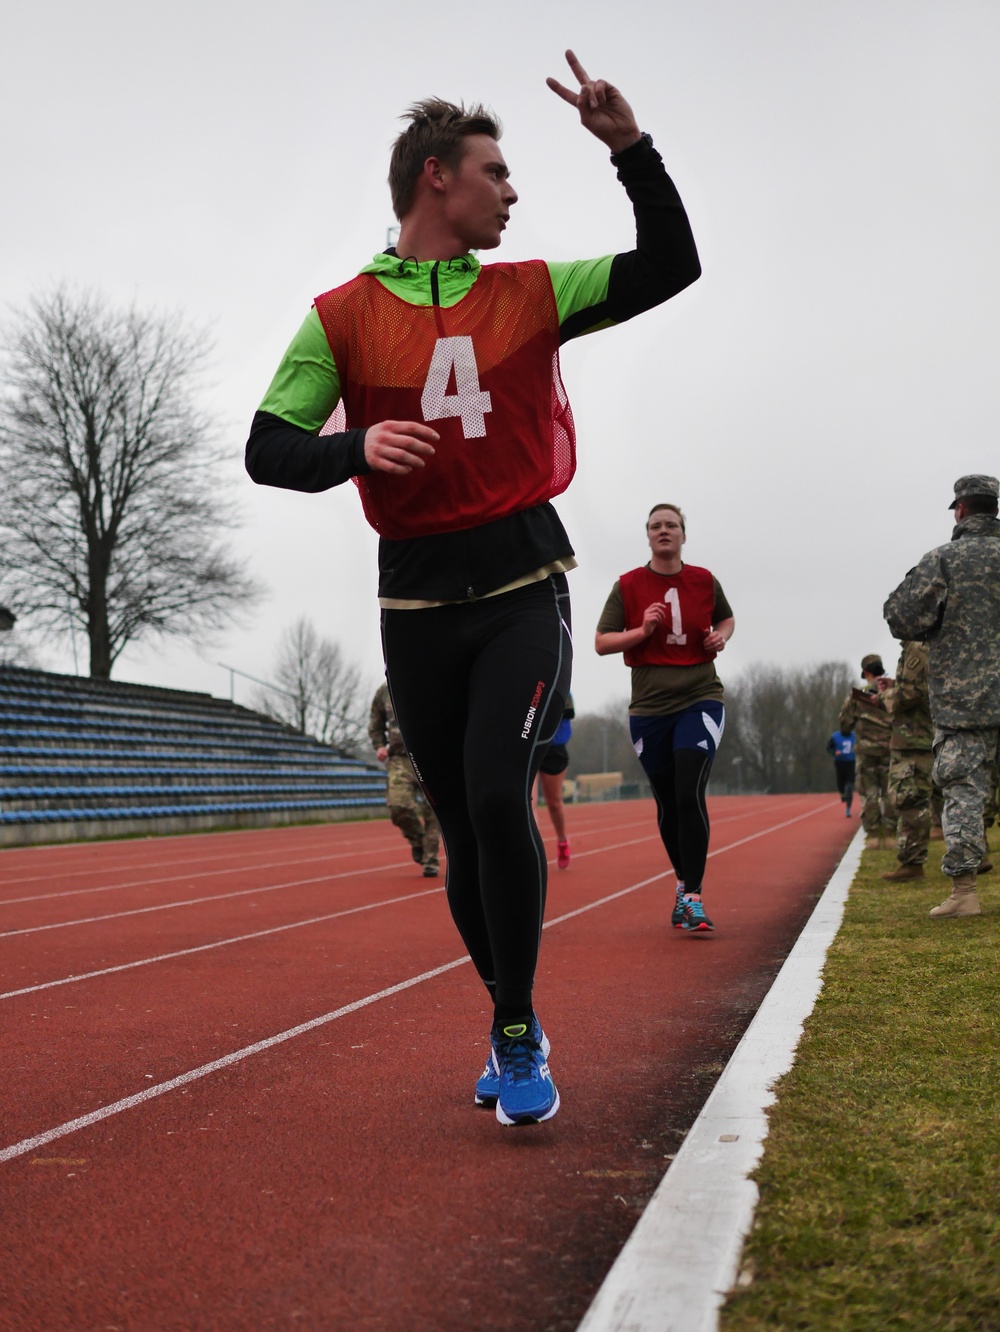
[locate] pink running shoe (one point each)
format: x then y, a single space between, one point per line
562 855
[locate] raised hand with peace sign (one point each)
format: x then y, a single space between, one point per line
603 110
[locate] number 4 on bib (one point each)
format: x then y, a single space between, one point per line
469 401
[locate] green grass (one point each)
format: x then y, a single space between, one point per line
880 1181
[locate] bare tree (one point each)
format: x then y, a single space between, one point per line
322 694
112 508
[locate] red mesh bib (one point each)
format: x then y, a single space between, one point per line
484 373
690 600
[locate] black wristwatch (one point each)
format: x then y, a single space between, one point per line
644 140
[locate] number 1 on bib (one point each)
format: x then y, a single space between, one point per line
672 598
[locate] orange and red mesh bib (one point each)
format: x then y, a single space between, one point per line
690 600
484 373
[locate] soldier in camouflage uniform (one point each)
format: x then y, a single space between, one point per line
952 600
407 807
910 760
990 811
993 799
864 713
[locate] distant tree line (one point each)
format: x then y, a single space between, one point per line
778 720
601 743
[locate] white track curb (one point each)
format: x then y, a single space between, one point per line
682 1257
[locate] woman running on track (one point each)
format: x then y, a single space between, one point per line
456 426
671 619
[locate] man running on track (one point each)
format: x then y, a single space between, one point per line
842 748
550 778
671 620
457 430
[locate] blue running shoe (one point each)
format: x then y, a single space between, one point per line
527 1094
694 916
488 1085
677 915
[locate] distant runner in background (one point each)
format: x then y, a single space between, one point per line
671 620
550 776
842 748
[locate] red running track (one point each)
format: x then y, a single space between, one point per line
239 1071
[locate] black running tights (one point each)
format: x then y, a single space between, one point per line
844 768
479 689
682 814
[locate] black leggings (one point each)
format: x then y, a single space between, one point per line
682 814
479 689
844 768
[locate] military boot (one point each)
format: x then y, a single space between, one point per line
903 873
963 900
985 866
872 842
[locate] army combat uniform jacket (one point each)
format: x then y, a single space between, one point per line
908 703
383 729
870 723
910 757
952 601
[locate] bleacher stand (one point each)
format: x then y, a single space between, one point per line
82 758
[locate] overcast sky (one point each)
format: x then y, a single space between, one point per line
809 402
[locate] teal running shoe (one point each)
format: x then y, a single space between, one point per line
694 917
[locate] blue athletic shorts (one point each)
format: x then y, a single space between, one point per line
698 727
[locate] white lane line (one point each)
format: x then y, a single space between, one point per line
156 842
219 943
244 938
775 828
668 873
161 1088
187 875
260 934
241 868
127 1103
683 1255
250 892
120 864
198 901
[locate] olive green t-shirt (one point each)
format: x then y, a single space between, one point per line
658 690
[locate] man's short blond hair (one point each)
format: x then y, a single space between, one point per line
436 129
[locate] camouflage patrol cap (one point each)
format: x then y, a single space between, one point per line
975 485
872 662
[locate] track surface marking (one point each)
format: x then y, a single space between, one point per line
252 1105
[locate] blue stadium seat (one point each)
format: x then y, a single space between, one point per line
80 756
